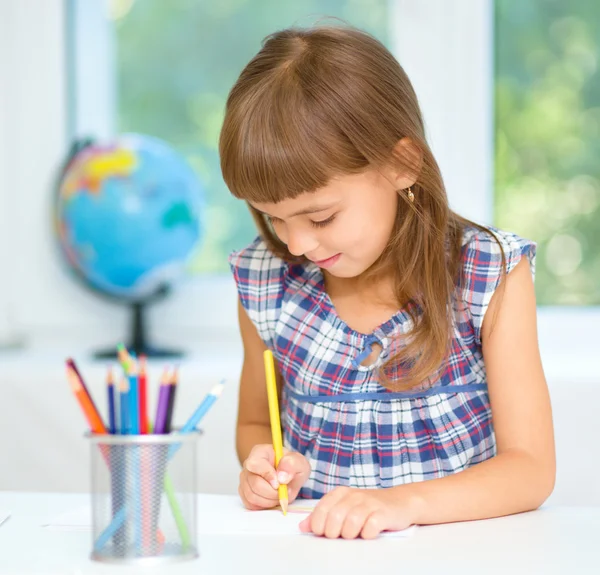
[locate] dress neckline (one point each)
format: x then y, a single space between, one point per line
400 317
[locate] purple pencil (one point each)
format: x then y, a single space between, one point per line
163 404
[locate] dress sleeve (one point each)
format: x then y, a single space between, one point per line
260 280
483 270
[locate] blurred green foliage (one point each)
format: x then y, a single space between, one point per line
547 184
177 60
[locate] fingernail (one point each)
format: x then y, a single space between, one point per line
283 477
274 484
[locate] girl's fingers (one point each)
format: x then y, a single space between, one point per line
293 467
374 525
354 521
327 513
262 468
256 493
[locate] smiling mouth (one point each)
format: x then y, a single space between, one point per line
327 262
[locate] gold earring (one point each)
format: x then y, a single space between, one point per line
411 196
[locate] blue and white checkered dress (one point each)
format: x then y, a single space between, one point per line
352 430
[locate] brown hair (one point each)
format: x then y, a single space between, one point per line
327 101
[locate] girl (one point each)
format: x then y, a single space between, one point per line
405 336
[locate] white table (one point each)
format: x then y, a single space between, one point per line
553 540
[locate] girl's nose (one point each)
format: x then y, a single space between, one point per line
300 242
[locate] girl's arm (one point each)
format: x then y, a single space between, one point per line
521 476
259 480
253 425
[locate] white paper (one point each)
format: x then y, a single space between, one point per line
227 516
224 515
79 519
4 516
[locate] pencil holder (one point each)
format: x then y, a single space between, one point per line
143 497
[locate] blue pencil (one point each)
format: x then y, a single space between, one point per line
124 407
118 474
191 424
134 429
202 409
112 420
134 402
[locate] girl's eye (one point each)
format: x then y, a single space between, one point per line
323 223
273 220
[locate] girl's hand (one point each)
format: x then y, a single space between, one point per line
350 513
259 479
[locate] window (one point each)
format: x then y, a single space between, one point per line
547 177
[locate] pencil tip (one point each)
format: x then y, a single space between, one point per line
284 505
217 390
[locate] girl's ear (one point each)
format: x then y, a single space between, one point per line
405 165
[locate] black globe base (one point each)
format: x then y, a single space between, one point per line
149 351
138 342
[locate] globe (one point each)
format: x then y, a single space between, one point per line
128 216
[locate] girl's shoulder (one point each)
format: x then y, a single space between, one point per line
487 247
488 255
264 281
256 261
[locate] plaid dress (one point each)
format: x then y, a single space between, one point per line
352 430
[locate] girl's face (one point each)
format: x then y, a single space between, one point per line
343 227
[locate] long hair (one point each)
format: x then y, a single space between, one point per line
330 101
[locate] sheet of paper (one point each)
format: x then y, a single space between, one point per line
222 515
4 516
79 519
229 517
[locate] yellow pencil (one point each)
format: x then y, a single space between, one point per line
275 422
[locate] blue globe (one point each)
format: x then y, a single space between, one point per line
129 215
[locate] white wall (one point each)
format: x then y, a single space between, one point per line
7 200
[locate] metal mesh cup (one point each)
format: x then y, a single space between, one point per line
143 497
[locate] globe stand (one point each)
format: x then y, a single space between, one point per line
138 341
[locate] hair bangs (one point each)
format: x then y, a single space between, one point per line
283 144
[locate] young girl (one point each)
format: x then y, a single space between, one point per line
405 336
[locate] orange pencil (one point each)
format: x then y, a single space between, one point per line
86 402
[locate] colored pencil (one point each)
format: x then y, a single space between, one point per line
85 400
202 409
71 364
193 421
118 474
275 421
124 406
134 402
162 404
171 401
143 388
124 357
112 420
134 451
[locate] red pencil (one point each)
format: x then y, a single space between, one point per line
143 396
